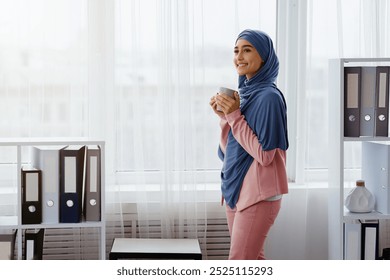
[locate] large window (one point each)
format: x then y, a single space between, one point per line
170 58
336 29
43 68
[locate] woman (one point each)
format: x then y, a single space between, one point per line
253 145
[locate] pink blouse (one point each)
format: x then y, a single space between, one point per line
267 175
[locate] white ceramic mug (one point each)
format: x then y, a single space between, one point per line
227 91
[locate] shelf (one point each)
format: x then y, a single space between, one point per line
369 60
338 176
14 222
366 139
374 215
33 141
63 225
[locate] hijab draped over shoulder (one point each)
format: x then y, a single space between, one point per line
264 108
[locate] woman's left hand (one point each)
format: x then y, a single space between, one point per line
228 104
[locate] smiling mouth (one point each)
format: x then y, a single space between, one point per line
242 65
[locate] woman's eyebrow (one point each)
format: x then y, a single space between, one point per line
244 46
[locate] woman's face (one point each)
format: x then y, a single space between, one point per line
246 59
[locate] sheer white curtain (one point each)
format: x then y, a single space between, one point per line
338 29
138 74
365 34
44 71
170 58
52 83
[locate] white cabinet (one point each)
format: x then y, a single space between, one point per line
339 177
14 153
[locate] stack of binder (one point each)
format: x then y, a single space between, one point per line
63 185
366 101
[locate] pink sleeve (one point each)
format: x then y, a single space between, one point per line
225 128
248 139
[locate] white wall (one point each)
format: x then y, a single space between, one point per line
301 229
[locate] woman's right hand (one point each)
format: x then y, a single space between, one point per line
213 104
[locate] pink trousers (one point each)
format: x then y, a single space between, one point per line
249 228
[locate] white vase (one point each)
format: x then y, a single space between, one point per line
360 199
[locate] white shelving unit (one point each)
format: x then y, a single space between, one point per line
15 222
338 215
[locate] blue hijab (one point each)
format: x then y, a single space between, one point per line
264 108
